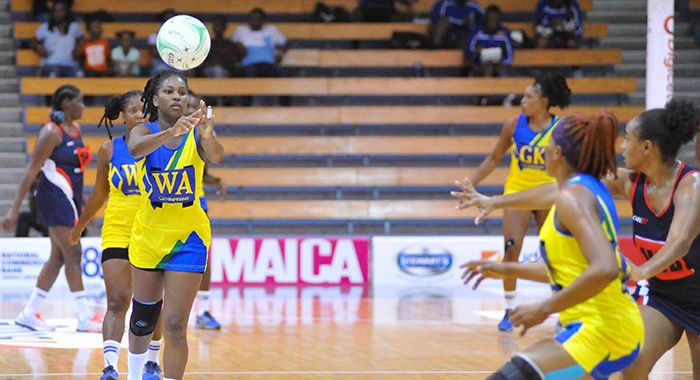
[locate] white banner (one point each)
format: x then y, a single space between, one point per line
659 83
435 261
21 260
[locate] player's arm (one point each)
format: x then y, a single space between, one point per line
99 193
491 161
210 148
143 142
620 186
49 138
685 227
503 270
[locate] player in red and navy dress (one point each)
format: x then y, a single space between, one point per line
60 156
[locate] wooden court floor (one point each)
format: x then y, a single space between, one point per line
308 333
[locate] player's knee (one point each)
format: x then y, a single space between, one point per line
175 328
144 317
118 302
516 368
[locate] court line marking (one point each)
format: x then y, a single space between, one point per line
302 373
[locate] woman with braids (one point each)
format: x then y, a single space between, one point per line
171 233
665 197
527 136
60 156
117 180
582 263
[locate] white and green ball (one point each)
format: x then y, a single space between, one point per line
183 42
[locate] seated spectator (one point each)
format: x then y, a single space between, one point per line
451 21
379 10
57 42
265 47
559 24
94 51
157 63
41 10
125 57
225 55
489 47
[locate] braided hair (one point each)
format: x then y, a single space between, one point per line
114 105
553 86
150 111
67 91
670 127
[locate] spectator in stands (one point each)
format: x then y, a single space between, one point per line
157 63
451 21
225 55
41 9
57 42
559 24
94 51
379 10
29 219
489 48
125 57
265 48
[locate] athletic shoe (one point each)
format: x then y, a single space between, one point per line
207 322
33 322
109 373
505 324
93 325
151 371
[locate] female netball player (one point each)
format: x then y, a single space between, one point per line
527 136
582 263
171 234
61 157
665 196
117 180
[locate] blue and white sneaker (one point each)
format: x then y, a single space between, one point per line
151 371
505 324
207 322
109 373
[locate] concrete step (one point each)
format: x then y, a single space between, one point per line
639 69
618 17
6 30
680 84
9 100
8 57
13 145
679 56
11 129
13 160
639 98
11 114
639 30
7 44
640 43
12 175
8 71
8 191
9 86
618 5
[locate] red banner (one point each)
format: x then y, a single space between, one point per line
289 261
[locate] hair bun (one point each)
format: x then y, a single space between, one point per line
682 119
57 117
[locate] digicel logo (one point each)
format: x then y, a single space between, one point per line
317 261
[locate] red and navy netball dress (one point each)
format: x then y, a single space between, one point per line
675 292
60 191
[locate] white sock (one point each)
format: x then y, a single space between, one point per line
35 301
510 299
81 304
202 301
136 363
170 378
154 350
111 349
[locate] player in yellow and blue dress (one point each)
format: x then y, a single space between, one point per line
603 329
171 233
117 180
526 136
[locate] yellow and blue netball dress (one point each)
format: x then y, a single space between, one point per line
124 199
59 195
527 167
171 230
604 333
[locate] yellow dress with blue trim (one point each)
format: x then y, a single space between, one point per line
171 230
124 197
606 331
527 164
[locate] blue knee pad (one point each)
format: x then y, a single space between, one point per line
144 317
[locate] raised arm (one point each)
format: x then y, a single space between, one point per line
49 139
685 227
99 193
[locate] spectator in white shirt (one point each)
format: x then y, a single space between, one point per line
57 43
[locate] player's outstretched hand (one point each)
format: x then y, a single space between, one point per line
469 197
482 269
186 123
528 316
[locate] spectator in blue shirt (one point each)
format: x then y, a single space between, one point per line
379 10
56 42
489 48
451 21
559 24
